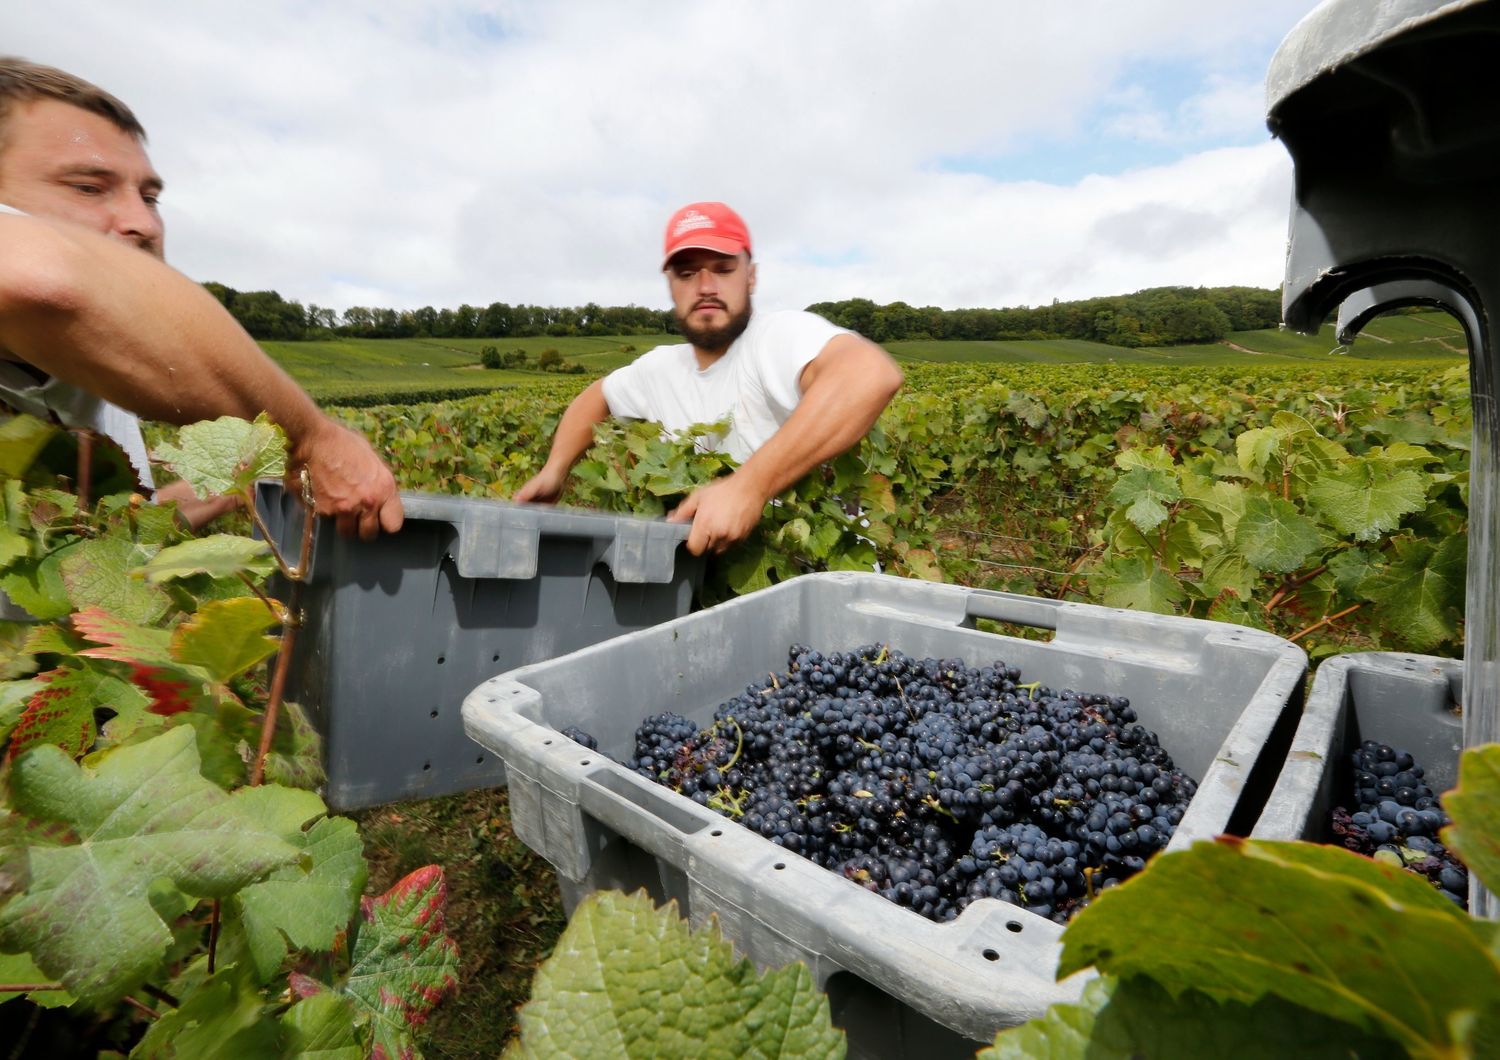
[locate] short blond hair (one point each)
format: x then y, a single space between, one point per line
22 81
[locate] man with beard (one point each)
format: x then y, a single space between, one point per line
794 389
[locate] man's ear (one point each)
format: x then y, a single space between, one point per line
752 278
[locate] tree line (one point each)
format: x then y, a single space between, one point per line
1158 316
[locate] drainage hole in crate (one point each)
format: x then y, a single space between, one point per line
991 955
717 831
584 762
495 657
779 865
479 761
442 659
433 714
1012 925
426 766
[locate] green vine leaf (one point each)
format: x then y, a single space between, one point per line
308 903
223 1016
226 637
136 814
22 439
1421 591
1366 498
629 980
98 574
226 455
37 584
218 556
1320 927
322 1027
1141 585
19 968
1122 1020
1273 536
1144 493
1474 807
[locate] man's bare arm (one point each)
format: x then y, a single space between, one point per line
844 390
119 323
575 433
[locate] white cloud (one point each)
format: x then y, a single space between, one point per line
431 153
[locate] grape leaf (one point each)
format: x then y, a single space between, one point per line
13 546
18 968
226 637
120 639
62 710
1475 808
1273 536
222 1016
1144 493
137 813
1365 498
1141 585
1351 567
1137 1018
22 439
37 584
98 574
1255 448
1421 591
296 756
403 961
14 695
226 455
17 656
218 556
629 980
322 1027
307 903
1317 926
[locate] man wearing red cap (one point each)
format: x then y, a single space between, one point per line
795 389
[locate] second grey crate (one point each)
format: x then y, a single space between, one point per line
398 630
1406 701
1218 695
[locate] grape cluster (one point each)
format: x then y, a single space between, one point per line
1398 819
931 782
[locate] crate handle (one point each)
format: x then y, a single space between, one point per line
1013 608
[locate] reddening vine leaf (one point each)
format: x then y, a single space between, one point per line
61 710
226 637
404 963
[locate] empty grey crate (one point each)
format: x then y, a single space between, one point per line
899 984
398 630
1407 701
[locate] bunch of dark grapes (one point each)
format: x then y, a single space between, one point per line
931 782
1398 818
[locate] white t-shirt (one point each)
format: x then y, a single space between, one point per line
753 385
74 407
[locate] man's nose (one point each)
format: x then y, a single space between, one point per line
708 281
138 223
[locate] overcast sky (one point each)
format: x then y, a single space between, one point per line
421 152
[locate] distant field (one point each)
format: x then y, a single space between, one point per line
348 369
1425 336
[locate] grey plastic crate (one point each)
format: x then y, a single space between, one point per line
398 630
1407 701
1219 695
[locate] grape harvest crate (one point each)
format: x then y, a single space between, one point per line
398 630
901 985
1406 701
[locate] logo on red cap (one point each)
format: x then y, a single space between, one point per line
705 226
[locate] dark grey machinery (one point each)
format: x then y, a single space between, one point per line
1392 117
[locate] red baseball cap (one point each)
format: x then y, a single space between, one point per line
705 226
